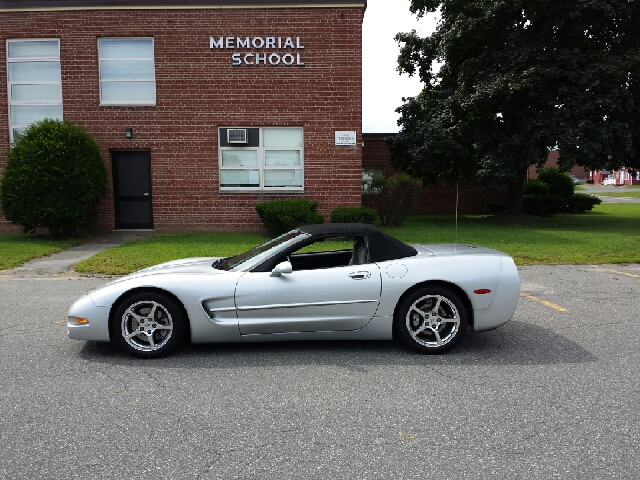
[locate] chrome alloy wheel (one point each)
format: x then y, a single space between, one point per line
146 326
433 321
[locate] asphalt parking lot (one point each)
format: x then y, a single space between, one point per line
555 393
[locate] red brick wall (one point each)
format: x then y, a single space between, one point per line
552 161
472 198
198 90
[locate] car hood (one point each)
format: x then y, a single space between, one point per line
196 265
454 249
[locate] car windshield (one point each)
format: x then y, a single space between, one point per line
251 258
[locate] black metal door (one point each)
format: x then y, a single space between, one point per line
132 189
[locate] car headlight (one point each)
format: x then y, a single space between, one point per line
78 320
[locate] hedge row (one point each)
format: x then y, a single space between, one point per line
281 216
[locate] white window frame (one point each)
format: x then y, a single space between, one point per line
30 82
261 167
133 102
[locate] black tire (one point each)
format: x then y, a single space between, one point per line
427 331
148 325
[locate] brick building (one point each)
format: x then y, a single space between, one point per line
581 173
469 196
201 108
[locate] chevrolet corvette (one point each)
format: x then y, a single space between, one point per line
318 282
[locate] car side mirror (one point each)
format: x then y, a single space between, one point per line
283 267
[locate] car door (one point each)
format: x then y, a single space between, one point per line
328 299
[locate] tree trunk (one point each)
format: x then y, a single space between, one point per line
516 191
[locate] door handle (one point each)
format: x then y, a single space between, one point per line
359 275
146 194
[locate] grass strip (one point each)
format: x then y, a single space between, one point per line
139 254
16 249
608 234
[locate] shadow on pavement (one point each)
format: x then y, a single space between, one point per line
517 343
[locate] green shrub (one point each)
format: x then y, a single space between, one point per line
353 215
543 205
280 216
582 202
54 178
560 183
536 187
395 198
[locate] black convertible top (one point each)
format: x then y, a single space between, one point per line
381 246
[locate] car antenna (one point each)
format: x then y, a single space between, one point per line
457 198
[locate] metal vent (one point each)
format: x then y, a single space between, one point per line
237 135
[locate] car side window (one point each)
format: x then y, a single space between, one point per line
330 252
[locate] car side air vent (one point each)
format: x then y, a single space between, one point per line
237 135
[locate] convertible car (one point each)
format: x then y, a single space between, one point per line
327 282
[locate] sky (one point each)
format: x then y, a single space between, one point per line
382 86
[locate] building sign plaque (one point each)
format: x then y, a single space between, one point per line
345 138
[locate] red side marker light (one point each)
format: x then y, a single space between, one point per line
482 291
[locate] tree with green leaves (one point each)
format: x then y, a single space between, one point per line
506 80
54 178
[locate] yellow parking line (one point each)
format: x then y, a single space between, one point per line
616 271
543 302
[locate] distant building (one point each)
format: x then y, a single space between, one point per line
580 173
624 176
470 197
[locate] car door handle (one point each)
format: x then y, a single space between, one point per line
359 275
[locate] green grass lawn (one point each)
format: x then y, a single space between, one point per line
608 234
15 249
133 256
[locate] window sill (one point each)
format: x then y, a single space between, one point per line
127 105
262 192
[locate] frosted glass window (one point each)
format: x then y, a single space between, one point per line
17 131
282 137
129 92
126 48
33 82
282 158
282 178
34 71
26 92
33 48
239 158
127 71
27 114
239 178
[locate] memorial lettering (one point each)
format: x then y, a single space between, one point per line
272 58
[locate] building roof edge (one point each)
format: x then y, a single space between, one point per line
54 5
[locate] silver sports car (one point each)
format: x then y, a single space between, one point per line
328 282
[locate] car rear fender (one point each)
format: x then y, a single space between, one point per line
475 276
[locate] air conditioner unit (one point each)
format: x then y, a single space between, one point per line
237 135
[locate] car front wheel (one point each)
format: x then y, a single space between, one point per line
148 325
431 320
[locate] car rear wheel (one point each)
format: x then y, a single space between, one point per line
148 325
431 320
